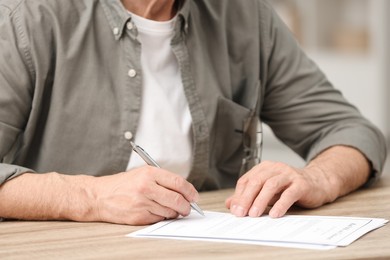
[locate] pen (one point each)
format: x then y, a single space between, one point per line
149 160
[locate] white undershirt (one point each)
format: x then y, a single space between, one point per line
164 129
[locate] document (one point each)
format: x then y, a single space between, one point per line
312 232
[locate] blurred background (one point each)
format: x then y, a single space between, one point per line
349 40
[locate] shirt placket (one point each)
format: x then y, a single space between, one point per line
126 33
200 128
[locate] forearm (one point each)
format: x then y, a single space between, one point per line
50 196
340 169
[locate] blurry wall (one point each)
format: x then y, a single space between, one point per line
349 40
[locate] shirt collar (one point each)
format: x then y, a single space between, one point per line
117 17
185 13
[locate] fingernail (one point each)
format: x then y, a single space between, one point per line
254 212
238 211
274 213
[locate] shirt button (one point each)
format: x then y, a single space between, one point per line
128 135
130 26
132 73
116 30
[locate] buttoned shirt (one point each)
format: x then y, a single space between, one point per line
70 88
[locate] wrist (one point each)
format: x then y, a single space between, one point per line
78 197
341 169
328 185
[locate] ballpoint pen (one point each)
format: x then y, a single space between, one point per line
149 160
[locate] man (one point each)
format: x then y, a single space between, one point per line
187 80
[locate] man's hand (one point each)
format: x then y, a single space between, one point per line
143 196
277 184
333 173
138 197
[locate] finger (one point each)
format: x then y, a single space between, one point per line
162 211
244 180
242 203
150 212
266 210
287 199
145 218
271 203
271 188
141 214
249 186
228 202
178 184
169 199
274 199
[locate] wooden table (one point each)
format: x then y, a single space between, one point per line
70 240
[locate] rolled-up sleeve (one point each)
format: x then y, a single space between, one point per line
303 108
16 90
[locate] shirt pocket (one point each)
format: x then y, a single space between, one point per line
228 150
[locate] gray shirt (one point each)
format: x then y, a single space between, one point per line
71 85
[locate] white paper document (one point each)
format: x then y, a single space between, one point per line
312 232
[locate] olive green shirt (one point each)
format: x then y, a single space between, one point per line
71 86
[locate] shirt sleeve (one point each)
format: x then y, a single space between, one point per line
302 107
16 72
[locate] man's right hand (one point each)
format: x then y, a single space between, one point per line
138 197
142 196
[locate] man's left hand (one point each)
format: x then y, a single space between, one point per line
280 186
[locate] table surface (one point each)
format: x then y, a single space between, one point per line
71 240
